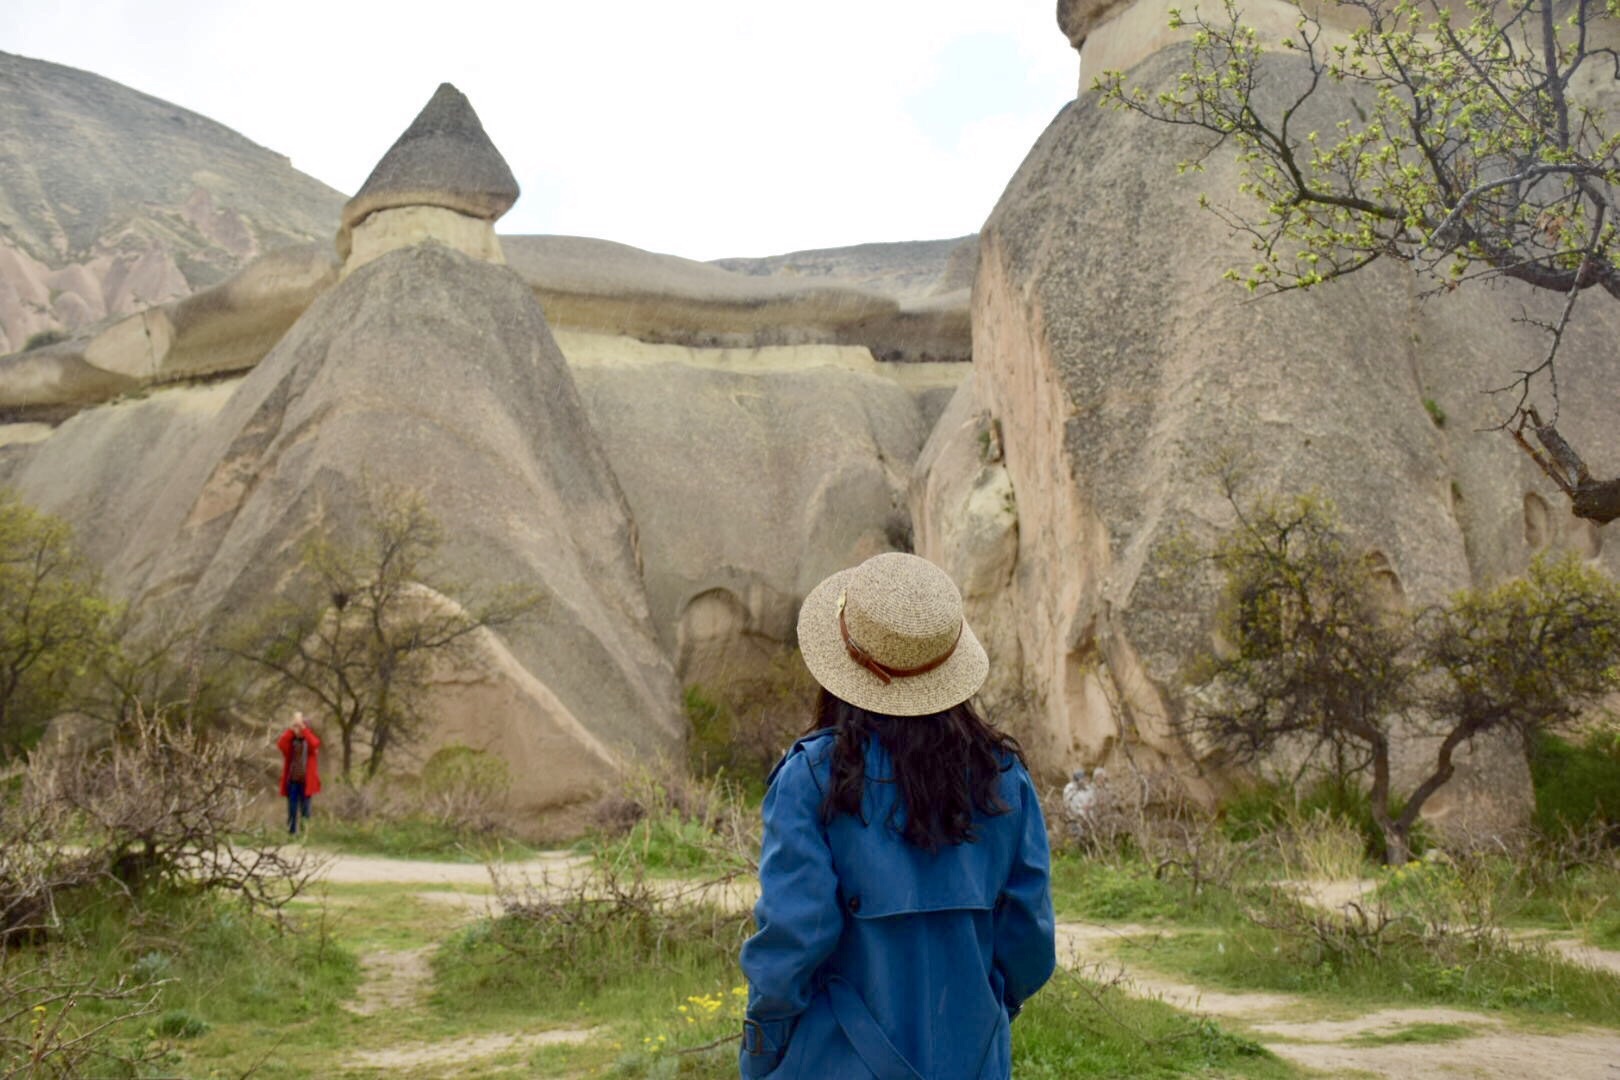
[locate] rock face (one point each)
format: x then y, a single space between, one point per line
886 304
1116 364
582 284
909 271
752 474
227 328
443 162
425 369
111 201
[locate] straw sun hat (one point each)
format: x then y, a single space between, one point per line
888 636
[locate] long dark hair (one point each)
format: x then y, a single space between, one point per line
947 765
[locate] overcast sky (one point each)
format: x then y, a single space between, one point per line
706 128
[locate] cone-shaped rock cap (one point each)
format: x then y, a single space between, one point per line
443 159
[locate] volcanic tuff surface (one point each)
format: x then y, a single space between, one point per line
111 200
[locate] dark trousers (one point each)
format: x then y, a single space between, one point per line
297 803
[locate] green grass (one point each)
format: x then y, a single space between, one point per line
1576 783
1071 1028
1604 931
1123 891
666 846
1093 889
414 838
1075 1027
1525 981
1415 1033
633 967
222 969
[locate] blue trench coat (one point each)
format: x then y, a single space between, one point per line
875 958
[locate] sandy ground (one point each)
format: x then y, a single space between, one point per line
453 1052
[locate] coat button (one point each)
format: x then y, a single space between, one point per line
854 904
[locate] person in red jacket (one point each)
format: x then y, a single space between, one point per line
300 769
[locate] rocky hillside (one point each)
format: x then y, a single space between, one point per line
910 271
112 200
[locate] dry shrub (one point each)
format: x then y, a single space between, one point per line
466 789
362 804
160 808
1319 845
46 1032
1149 815
663 818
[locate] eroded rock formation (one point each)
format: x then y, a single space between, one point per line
196 442
1116 366
441 180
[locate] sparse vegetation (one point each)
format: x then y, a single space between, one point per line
742 726
359 637
1316 665
53 617
41 338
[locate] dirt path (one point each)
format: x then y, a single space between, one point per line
1290 1027
452 1052
398 980
393 979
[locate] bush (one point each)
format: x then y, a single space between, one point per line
181 1024
157 811
58 1021
663 821
742 727
1266 808
466 789
1577 784
606 939
386 817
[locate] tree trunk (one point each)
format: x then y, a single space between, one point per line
1395 846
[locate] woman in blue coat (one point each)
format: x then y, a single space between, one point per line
904 914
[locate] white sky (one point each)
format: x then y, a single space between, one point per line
706 129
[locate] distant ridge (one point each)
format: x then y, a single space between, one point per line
111 200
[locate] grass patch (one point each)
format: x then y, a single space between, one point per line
1123 890
1604 932
591 959
1076 1027
1094 889
414 838
1481 974
1414 1033
222 970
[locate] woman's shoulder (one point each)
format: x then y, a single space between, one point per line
808 755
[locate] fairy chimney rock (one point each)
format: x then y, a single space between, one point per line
442 180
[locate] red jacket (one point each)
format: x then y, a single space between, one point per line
312 772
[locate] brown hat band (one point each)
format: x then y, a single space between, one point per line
884 672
